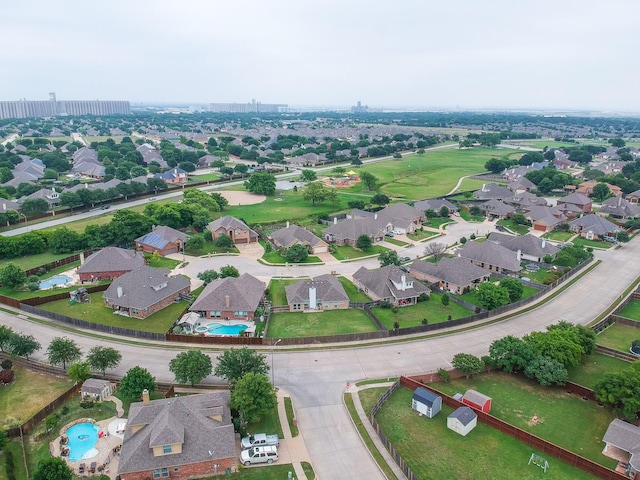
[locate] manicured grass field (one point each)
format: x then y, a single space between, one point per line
432 310
330 322
514 227
162 262
395 241
435 222
30 392
352 291
433 451
631 310
618 336
465 215
32 261
347 252
275 257
420 235
277 294
96 312
594 367
205 177
566 420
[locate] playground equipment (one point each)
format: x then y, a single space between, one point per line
79 295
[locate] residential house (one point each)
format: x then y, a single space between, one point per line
586 188
496 209
461 421
633 197
294 235
527 247
145 291
574 203
50 196
623 443
347 232
521 185
174 176
544 219
619 207
491 256
109 263
8 205
162 239
230 298
512 174
525 200
456 275
150 154
178 438
491 191
390 284
435 204
236 229
97 390
593 227
404 218
324 292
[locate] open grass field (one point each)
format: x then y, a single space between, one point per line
432 310
566 420
330 322
347 252
433 451
96 312
539 143
631 310
277 294
352 291
618 336
594 367
30 392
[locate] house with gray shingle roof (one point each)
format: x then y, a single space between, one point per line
492 191
495 209
294 235
109 263
230 298
179 438
623 437
491 256
435 204
633 197
173 176
324 292
619 207
231 226
347 231
162 239
544 219
528 247
390 284
50 196
145 291
574 202
520 185
593 227
404 218
8 205
456 275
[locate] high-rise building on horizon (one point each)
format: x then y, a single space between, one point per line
52 107
252 107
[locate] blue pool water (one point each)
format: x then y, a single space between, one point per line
221 329
53 281
82 439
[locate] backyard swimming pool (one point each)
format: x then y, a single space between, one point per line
82 441
54 281
222 329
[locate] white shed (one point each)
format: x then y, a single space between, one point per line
462 420
426 402
96 390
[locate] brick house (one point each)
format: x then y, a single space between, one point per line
491 256
324 292
178 438
295 235
162 239
574 203
236 229
175 176
389 284
109 263
593 227
230 298
145 291
456 275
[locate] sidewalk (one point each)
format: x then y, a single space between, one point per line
292 448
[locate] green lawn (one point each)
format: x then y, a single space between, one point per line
465 215
352 291
277 258
618 336
395 241
32 261
559 236
432 310
631 310
161 262
268 423
435 222
15 448
433 451
539 277
594 367
514 227
330 322
583 242
277 294
205 177
347 252
566 420
471 296
96 312
421 235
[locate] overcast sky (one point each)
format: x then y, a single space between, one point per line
464 54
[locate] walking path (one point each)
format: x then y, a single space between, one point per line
118 402
291 447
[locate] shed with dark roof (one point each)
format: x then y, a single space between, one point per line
426 402
462 420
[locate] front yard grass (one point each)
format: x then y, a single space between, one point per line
432 310
465 215
618 337
594 367
395 241
420 235
347 252
435 222
277 294
330 322
161 262
566 420
277 258
96 312
558 235
631 310
269 423
471 296
353 293
433 451
583 242
514 227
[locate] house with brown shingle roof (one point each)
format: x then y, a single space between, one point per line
545 219
491 256
230 298
574 202
633 197
346 232
324 292
294 235
231 226
456 275
586 188
619 207
162 239
593 227
178 437
497 209
109 263
390 284
492 191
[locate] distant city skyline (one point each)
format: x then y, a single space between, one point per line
462 55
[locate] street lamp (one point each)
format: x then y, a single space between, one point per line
272 347
26 223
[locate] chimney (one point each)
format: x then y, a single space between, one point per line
119 289
287 223
519 254
313 301
375 216
544 243
484 187
227 301
81 258
403 279
145 397
335 220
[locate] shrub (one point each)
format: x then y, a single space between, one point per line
424 321
396 325
6 364
33 286
444 375
6 377
395 309
423 297
33 279
444 299
86 404
385 304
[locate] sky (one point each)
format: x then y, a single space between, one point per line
458 54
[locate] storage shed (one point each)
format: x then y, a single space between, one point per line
477 400
426 402
96 390
462 420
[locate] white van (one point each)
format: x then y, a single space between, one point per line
266 454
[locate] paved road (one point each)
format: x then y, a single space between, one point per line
316 379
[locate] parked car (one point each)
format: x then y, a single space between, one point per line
397 232
388 234
106 206
404 259
259 440
268 454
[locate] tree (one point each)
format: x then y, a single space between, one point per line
53 468
584 336
495 165
467 363
195 242
623 236
229 271
519 219
318 193
65 240
224 241
34 206
510 353
102 358
530 158
63 350
357 204
135 381
380 199
220 200
79 371
435 250
308 175
601 191
556 344
514 287
12 276
261 183
253 396
443 212
234 363
445 300
127 225
546 371
6 335
296 253
476 211
364 242
389 257
492 296
369 180
208 276
191 366
24 345
620 391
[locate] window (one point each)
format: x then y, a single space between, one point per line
166 449
161 472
